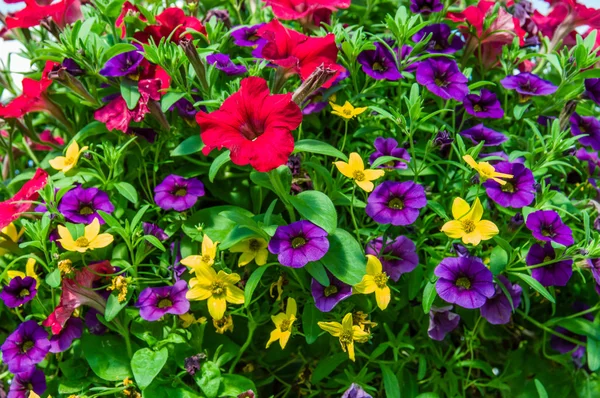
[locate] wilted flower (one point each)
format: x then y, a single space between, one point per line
223 325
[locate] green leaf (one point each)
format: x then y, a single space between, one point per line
320 147
147 364
116 50
310 318
128 191
519 110
217 164
53 278
209 379
580 326
189 146
385 159
317 271
107 356
498 260
113 306
130 93
540 389
153 240
429 295
169 99
390 382
536 286
345 258
138 216
477 364
234 385
593 354
316 207
327 365
252 283
438 209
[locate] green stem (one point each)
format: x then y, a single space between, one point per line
352 213
547 329
251 328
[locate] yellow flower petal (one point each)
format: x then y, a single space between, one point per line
374 266
372 174
235 295
230 279
453 229
366 286
366 186
350 348
487 229
58 163
216 307
73 150
476 211
192 261
101 241
246 258
261 257
358 111
275 335
333 328
460 208
278 319
347 322
291 309
383 297
92 230
198 293
355 162
284 338
344 168
473 238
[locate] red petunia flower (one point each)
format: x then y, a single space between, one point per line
11 209
308 12
254 125
297 53
46 137
172 20
62 13
128 9
564 17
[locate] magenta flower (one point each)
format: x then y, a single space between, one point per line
481 133
440 41
527 84
426 7
442 77
223 63
588 126
299 243
519 191
396 203
592 89
398 256
81 205
483 105
554 274
19 291
497 309
62 341
25 347
25 382
178 193
464 281
156 302
389 147
327 297
546 225
123 64
380 63
441 322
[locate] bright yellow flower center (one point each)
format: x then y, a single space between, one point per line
468 226
27 346
218 288
358 175
24 293
86 210
396 204
346 337
486 170
285 325
181 192
463 282
82 242
381 280
298 241
330 290
347 111
206 258
70 160
508 187
164 303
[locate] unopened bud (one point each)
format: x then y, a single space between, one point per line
197 63
314 82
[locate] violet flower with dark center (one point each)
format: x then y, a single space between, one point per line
154 230
442 77
72 67
396 203
25 347
481 133
389 147
519 191
426 7
246 36
528 85
178 193
155 302
19 291
440 41
124 64
554 274
464 281
484 105
379 63
25 382
71 331
588 126
299 243
497 309
327 297
355 391
398 256
441 322
592 89
223 63
81 205
546 225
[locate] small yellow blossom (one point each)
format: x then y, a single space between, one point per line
359 318
120 285
218 289
283 324
207 259
347 111
91 239
11 232
66 163
188 320
279 286
224 324
65 267
347 333
127 382
375 281
251 249
355 169
486 171
467 224
29 271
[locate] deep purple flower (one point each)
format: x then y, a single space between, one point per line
398 256
554 274
81 205
25 382
298 243
440 41
481 133
442 77
460 250
145 132
563 346
25 347
223 63
396 203
123 64
219 15
497 309
327 297
154 230
71 331
155 302
594 264
19 291
592 89
379 63
546 225
591 158
355 391
441 322
389 147
246 35
72 67
403 54
93 324
426 7
443 139
484 105
178 193
527 84
519 191
464 281
588 126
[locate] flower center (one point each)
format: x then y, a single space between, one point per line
206 258
440 81
26 346
463 282
285 325
378 67
547 231
477 108
254 245
396 204
251 131
86 210
486 169
69 160
331 290
468 226
181 191
508 187
358 175
24 293
547 258
82 242
381 280
346 337
347 111
164 303
298 241
218 288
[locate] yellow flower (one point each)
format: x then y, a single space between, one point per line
11 232
359 318
467 224
66 163
279 286
355 169
29 271
188 320
348 111
224 324
283 324
120 284
486 171
347 333
207 259
218 289
375 281
65 267
91 239
251 249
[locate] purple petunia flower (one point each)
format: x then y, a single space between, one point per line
379 63
554 274
25 382
327 297
389 147
71 331
19 291
440 41
485 105
298 243
527 84
441 322
464 281
497 309
93 324
25 347
154 230
592 89
398 256
355 391
123 64
81 205
426 7
246 35
519 191
223 63
592 159
155 302
396 203
443 139
588 126
481 133
442 77
178 193
546 225
403 54
72 67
